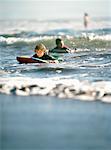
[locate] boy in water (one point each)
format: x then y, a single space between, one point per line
41 54
61 47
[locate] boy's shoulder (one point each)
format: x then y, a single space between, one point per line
61 50
35 56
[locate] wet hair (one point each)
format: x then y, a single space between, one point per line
41 47
58 40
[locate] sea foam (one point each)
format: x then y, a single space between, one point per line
62 88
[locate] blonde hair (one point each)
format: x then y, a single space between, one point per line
40 47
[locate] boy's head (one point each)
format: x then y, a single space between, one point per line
59 43
40 50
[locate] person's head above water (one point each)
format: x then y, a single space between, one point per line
40 50
59 43
85 14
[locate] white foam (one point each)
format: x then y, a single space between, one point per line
13 40
62 88
92 36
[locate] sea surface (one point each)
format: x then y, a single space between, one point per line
68 102
91 61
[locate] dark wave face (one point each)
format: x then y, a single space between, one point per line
95 37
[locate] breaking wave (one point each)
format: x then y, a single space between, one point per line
97 38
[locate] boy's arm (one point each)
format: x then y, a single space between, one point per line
71 50
49 57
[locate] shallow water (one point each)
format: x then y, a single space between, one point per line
40 123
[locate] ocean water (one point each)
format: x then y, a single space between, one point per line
55 103
91 62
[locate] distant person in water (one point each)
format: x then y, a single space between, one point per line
86 20
60 47
41 54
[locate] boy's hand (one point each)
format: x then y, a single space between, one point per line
53 61
72 50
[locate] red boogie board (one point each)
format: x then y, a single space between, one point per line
26 59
